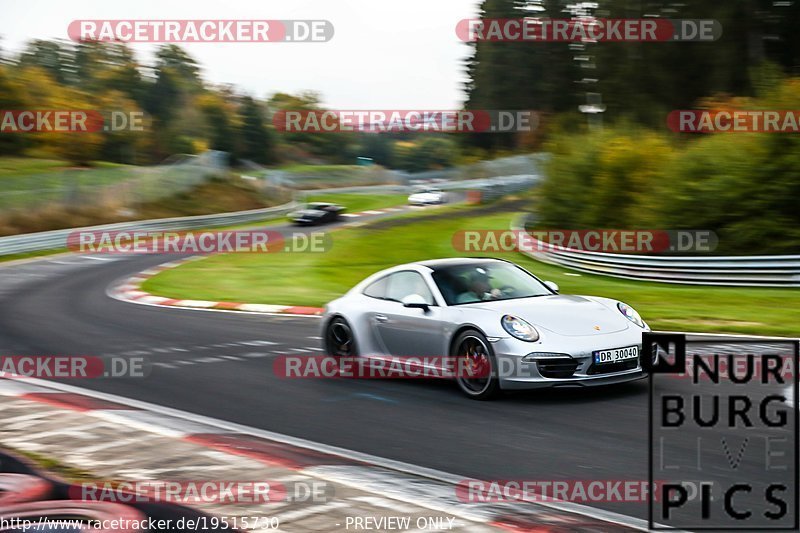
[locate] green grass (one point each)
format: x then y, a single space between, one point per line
26 166
21 166
315 278
356 203
306 176
32 182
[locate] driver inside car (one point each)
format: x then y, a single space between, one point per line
479 288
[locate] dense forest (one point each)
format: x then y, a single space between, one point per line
183 113
620 168
627 169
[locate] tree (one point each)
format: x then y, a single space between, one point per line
49 56
328 145
429 152
219 113
640 81
102 67
12 96
256 141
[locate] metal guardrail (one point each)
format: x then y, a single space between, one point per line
505 166
376 175
739 271
53 240
499 184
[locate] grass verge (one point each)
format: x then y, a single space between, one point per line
315 278
356 203
11 167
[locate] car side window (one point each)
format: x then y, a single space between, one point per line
406 283
377 289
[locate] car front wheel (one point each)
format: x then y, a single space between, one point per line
476 366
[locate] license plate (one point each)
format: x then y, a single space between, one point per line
616 355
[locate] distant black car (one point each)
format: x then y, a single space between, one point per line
317 213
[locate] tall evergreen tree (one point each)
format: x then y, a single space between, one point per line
256 143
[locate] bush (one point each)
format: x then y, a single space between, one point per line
742 186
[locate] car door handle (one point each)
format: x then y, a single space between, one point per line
381 318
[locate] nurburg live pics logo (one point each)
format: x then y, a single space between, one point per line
734 425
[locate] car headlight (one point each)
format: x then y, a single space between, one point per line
519 329
631 314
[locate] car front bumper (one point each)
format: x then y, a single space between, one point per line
574 365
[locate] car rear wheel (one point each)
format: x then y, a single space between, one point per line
340 341
476 366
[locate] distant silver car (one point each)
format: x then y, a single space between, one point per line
427 196
489 314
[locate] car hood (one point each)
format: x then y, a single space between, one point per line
562 314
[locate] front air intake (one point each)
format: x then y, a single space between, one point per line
557 367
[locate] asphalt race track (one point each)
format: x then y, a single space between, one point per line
218 364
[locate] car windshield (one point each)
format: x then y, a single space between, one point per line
489 281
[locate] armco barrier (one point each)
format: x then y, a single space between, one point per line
744 271
505 184
51 240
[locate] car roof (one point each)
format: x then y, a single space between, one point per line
432 265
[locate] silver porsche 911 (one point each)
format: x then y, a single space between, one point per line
492 314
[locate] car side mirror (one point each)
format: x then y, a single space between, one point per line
415 301
552 285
